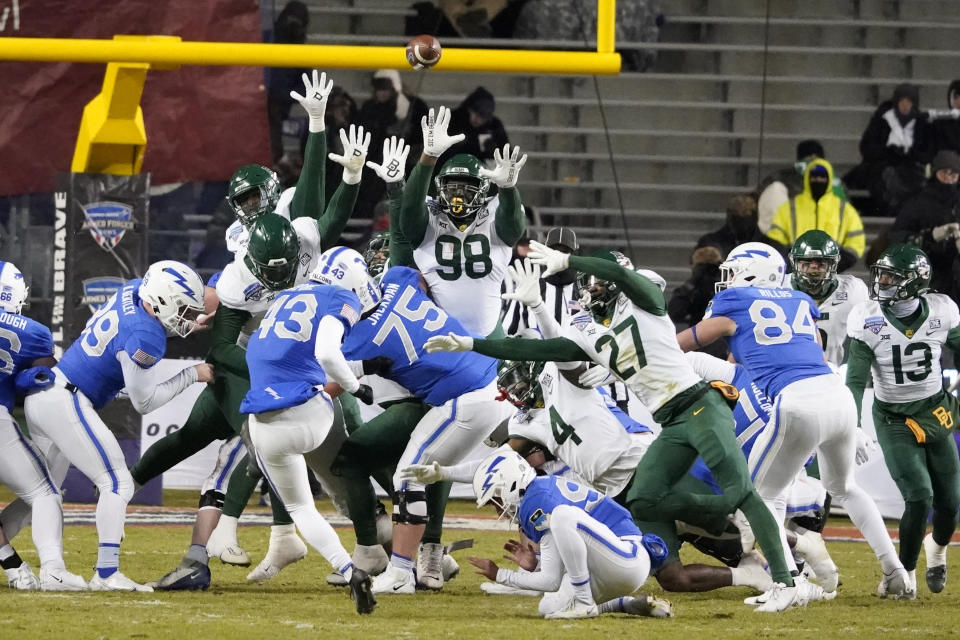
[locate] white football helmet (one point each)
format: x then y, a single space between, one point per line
175 293
13 290
752 264
344 267
501 479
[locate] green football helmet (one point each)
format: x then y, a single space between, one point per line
253 191
461 190
518 385
273 253
814 258
902 272
377 253
599 296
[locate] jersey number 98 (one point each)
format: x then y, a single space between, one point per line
471 257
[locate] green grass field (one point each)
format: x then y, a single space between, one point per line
299 603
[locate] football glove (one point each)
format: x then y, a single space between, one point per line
379 366
506 168
314 101
354 153
947 231
394 162
449 342
364 394
552 260
595 377
526 283
864 447
435 138
423 473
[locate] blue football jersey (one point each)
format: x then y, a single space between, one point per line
22 341
775 338
629 424
122 324
398 329
546 492
284 371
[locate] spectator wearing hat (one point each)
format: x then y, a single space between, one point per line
558 291
787 183
741 226
476 120
818 207
931 220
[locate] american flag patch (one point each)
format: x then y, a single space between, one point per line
350 314
143 358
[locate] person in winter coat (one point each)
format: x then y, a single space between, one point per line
946 131
741 226
476 120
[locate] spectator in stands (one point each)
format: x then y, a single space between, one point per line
214 255
946 131
818 207
467 18
931 220
289 28
784 184
741 226
690 300
483 130
894 146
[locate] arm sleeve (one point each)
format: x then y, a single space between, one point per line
640 290
510 221
709 367
144 393
308 199
413 212
553 350
327 351
224 352
334 219
953 340
546 579
859 358
547 324
401 251
464 471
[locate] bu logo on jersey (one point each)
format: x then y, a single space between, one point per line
107 222
96 291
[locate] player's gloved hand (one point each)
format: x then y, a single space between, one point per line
423 473
595 377
435 137
33 379
364 394
864 446
449 342
394 162
552 260
379 366
506 168
316 90
526 282
948 231
204 372
354 153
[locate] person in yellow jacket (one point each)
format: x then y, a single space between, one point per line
817 207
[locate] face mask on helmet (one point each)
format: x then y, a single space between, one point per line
596 296
253 190
814 275
888 286
251 204
377 254
518 385
501 479
276 274
175 294
462 196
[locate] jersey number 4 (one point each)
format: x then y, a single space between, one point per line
770 322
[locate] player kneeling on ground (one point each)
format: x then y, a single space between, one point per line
590 549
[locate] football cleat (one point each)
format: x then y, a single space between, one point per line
816 555
780 598
395 581
897 585
22 578
59 579
936 573
449 567
574 610
371 559
361 590
747 539
647 606
754 572
189 576
116 582
223 544
497 589
285 548
430 566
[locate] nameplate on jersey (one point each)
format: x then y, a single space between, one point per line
875 324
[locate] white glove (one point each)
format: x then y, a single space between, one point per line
595 377
506 167
423 473
526 283
554 261
394 161
948 231
435 138
449 342
314 100
864 446
354 153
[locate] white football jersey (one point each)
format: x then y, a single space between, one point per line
906 364
576 427
834 311
237 234
640 349
464 269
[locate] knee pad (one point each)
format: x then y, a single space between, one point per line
211 499
729 551
816 521
411 507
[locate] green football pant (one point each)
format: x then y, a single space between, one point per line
928 475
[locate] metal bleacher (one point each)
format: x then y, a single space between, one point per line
728 98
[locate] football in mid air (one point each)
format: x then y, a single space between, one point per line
423 52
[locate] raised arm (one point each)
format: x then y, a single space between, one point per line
553 350
395 151
510 221
334 219
308 199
